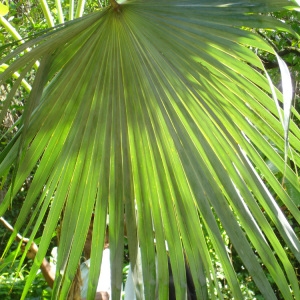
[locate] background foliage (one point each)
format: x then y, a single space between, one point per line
29 19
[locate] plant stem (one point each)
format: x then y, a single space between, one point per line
47 13
115 5
80 8
8 226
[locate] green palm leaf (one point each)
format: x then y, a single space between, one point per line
157 110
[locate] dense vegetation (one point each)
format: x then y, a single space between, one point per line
159 167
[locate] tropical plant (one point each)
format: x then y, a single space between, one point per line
162 111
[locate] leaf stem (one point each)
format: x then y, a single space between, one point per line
115 5
47 13
9 227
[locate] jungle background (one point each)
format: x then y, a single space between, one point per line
27 19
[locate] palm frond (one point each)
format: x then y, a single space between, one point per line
158 111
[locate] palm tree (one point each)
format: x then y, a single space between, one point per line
162 111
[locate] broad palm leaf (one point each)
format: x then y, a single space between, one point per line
161 110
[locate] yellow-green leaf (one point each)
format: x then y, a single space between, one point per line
3 10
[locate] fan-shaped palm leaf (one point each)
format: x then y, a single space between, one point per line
157 109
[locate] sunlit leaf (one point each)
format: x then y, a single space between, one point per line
156 111
3 10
